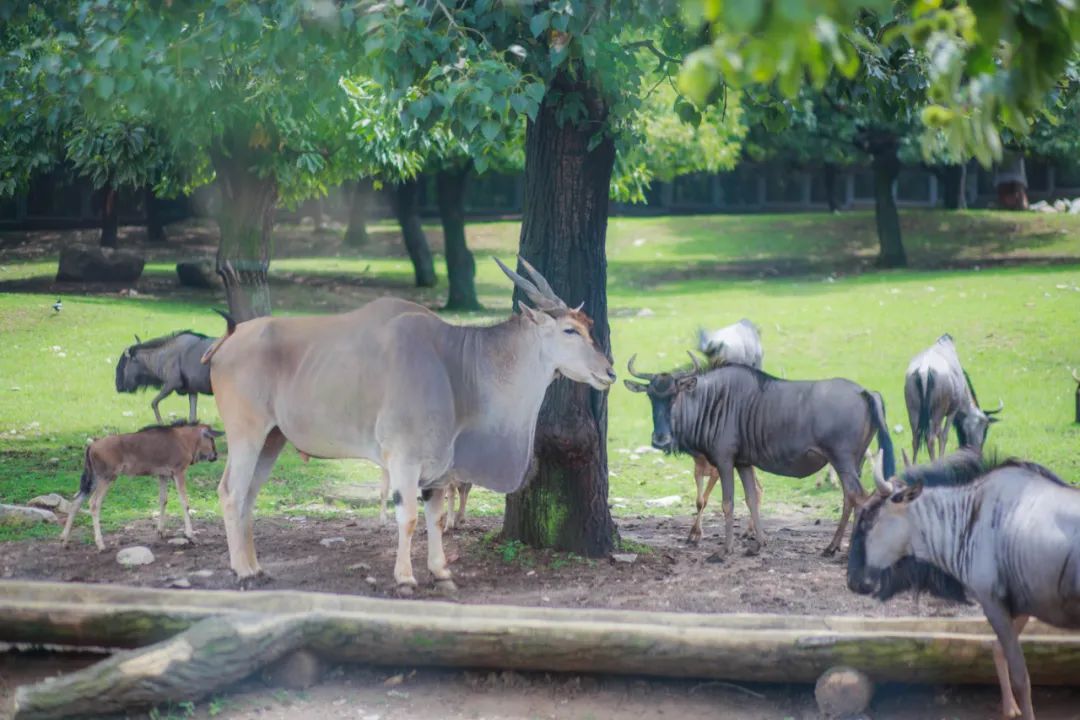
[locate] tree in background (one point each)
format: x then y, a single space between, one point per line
244 93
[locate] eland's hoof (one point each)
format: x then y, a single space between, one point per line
753 547
446 587
253 582
406 590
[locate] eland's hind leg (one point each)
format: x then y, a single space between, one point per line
234 491
701 468
384 492
272 447
435 518
752 491
404 485
463 489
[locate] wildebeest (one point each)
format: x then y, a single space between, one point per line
739 418
171 363
393 383
163 451
1005 534
738 343
938 393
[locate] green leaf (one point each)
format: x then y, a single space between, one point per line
490 130
104 86
539 23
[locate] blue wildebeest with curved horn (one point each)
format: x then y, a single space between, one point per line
1006 534
740 418
171 364
938 393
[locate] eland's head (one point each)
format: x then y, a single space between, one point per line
565 333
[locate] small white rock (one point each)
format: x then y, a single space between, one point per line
645 312
179 541
327 542
645 449
624 557
136 555
180 584
203 573
663 502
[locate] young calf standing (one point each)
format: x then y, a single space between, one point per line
1006 535
163 451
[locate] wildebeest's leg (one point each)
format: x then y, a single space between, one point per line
96 498
463 489
1009 640
751 489
193 400
849 481
727 487
384 492
701 466
180 479
404 483
76 503
165 390
1009 708
435 519
163 499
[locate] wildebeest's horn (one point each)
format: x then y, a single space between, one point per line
541 282
907 460
539 299
1075 377
137 340
694 360
1000 407
635 373
884 486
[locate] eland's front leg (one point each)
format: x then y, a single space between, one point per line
435 519
752 492
404 485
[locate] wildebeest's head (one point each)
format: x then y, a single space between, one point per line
132 372
662 389
880 559
206 450
973 424
565 333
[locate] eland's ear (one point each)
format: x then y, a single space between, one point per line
636 386
537 317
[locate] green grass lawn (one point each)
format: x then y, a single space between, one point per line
805 279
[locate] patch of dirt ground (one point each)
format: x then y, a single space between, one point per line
788 576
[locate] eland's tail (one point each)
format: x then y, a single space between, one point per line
877 417
230 328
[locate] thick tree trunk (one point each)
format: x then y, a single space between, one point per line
406 206
460 265
565 503
829 171
886 167
245 220
360 193
954 182
110 223
155 227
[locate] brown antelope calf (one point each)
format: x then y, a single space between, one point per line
164 451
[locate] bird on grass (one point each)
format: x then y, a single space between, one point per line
58 305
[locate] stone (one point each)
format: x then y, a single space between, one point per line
52 501
20 515
179 541
624 557
663 502
203 573
327 542
134 556
91 263
180 583
197 273
298 670
843 693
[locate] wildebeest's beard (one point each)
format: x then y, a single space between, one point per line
132 375
910 573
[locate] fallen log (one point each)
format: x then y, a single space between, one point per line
745 647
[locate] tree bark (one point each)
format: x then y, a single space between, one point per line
829 172
406 206
155 227
110 223
245 220
954 183
565 503
886 168
460 265
360 194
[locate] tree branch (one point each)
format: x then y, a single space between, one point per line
651 47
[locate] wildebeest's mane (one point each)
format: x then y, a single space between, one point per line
1033 468
170 426
159 341
965 466
763 378
971 387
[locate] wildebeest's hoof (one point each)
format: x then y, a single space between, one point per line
829 551
753 547
716 558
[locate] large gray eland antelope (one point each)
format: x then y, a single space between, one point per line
170 363
938 393
1005 534
163 451
392 383
740 418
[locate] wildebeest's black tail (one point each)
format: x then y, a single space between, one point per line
877 417
922 428
86 482
230 328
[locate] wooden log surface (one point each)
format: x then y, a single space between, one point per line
742 647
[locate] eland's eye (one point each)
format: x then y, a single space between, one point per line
570 331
